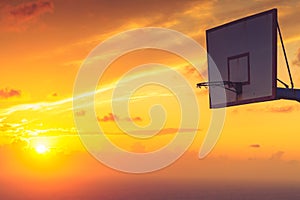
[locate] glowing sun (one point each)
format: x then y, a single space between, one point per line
41 149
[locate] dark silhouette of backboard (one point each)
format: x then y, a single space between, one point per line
245 53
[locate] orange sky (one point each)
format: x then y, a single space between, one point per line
43 46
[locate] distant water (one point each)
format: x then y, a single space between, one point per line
153 188
210 191
173 190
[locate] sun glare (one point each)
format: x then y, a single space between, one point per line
41 149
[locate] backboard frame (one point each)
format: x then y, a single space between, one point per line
273 12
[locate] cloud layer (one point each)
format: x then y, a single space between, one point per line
254 146
111 118
296 61
20 16
8 93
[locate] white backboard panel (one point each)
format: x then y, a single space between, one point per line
245 52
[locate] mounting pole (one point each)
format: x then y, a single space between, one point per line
285 56
287 93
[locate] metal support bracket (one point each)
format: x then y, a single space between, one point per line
287 93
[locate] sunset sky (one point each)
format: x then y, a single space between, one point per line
45 42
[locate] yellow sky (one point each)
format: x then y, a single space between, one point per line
44 43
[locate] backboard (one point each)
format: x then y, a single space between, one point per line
245 53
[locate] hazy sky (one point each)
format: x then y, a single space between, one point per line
44 43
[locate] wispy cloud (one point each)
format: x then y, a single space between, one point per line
20 16
277 156
254 145
166 131
282 109
271 107
296 61
8 93
133 119
110 117
27 11
80 113
156 132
